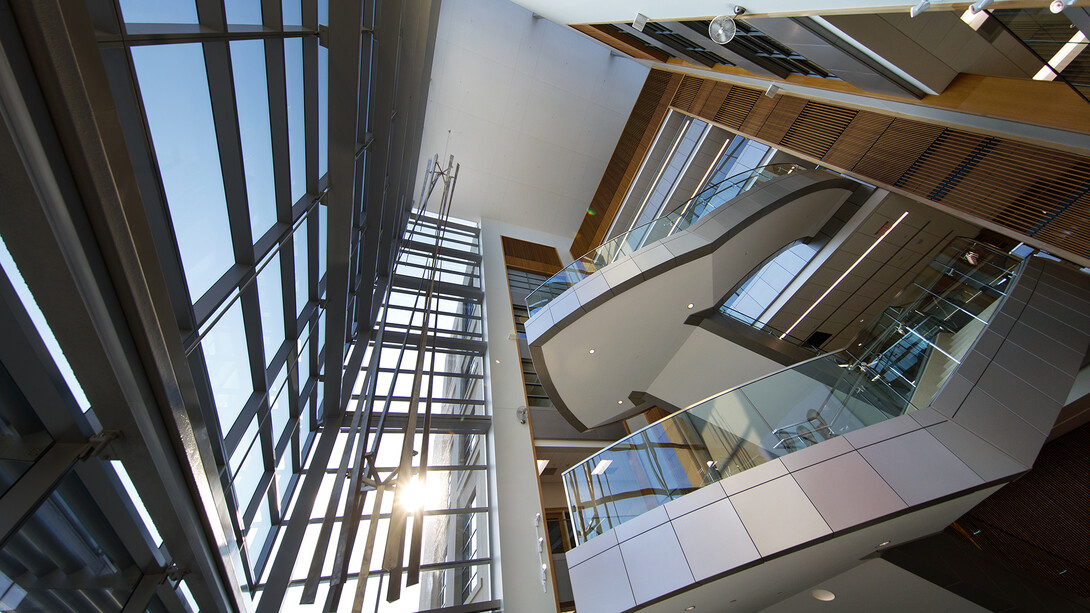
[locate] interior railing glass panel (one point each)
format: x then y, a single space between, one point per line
897 365
709 199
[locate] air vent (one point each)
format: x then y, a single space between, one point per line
736 106
817 127
685 95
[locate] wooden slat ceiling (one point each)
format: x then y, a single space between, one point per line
636 138
530 257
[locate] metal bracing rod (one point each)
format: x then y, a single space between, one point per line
361 418
395 551
416 543
355 497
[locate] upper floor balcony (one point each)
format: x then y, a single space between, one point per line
772 486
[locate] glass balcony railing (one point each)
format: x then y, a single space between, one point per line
708 200
898 364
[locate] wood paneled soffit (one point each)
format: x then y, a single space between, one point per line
639 132
1036 192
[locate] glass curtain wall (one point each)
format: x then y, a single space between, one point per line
226 121
453 491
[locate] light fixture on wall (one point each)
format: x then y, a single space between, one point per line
722 29
919 8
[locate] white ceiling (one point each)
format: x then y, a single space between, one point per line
531 110
876 585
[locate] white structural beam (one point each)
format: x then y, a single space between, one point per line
599 11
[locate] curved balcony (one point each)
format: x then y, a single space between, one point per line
778 485
629 301
899 365
709 199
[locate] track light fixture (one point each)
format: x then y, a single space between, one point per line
980 6
1058 6
919 8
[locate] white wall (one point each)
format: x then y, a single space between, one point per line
532 111
516 498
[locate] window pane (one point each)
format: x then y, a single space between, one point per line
293 74
323 108
243 11
323 221
228 365
302 287
293 13
175 92
279 405
248 475
272 307
252 94
157 11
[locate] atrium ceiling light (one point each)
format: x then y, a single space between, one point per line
601 467
850 268
823 595
974 20
591 351
919 8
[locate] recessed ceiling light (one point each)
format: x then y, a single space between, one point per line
690 608
497 361
601 467
883 544
591 351
691 305
620 402
823 595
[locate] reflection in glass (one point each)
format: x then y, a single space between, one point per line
225 355
252 97
174 87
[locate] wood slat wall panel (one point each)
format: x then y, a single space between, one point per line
899 146
856 139
1044 512
636 138
530 257
817 128
784 114
736 106
758 113
686 94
